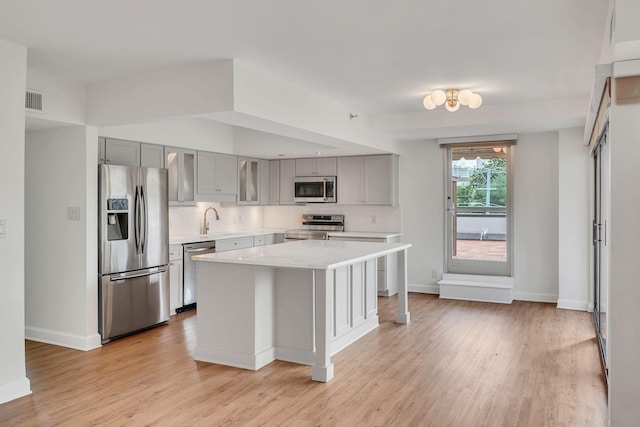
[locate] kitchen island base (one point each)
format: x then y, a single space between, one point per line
250 315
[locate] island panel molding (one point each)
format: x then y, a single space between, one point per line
300 302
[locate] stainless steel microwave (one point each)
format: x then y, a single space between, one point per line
314 189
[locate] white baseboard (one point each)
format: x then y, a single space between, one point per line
63 339
535 297
423 289
293 355
568 304
15 389
469 287
248 361
353 335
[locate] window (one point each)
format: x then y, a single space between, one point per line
478 208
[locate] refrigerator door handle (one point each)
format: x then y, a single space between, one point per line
136 220
143 221
138 273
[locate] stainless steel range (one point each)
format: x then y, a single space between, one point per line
316 227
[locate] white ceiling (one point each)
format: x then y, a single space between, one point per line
377 56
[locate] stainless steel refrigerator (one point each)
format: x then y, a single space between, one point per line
133 249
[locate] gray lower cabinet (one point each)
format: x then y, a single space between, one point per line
175 278
387 265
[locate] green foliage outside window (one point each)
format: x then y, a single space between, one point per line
474 193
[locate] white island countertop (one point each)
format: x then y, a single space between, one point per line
306 254
196 238
365 234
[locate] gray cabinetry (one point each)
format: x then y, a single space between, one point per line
387 265
175 278
287 175
181 164
248 181
321 166
217 177
274 182
151 156
121 152
115 151
264 182
368 180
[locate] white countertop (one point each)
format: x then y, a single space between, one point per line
364 234
307 254
195 238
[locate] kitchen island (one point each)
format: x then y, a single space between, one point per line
300 302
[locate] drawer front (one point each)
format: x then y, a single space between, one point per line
231 244
175 252
259 240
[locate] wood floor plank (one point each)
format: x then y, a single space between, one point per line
457 363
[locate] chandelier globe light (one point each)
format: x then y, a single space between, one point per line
452 99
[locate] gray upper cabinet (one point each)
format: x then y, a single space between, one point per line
248 181
130 153
274 182
181 164
321 166
151 156
264 182
368 180
217 177
287 175
121 152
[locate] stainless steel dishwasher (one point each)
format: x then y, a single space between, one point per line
189 296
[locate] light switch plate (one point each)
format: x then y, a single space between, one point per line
3 228
73 213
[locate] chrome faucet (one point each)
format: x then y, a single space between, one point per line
205 223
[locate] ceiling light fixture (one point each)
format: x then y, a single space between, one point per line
452 99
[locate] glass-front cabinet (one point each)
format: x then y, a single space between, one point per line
248 181
181 164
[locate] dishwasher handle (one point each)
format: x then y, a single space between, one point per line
199 250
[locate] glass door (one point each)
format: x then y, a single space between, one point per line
478 209
600 247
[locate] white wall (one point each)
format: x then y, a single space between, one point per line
535 215
574 228
624 287
196 134
64 100
13 77
422 201
61 268
162 94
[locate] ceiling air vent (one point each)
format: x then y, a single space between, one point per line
33 101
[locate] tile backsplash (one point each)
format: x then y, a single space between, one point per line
187 220
357 218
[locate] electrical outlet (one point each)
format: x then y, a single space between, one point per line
73 213
373 219
3 228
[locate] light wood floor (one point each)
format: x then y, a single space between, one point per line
457 364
